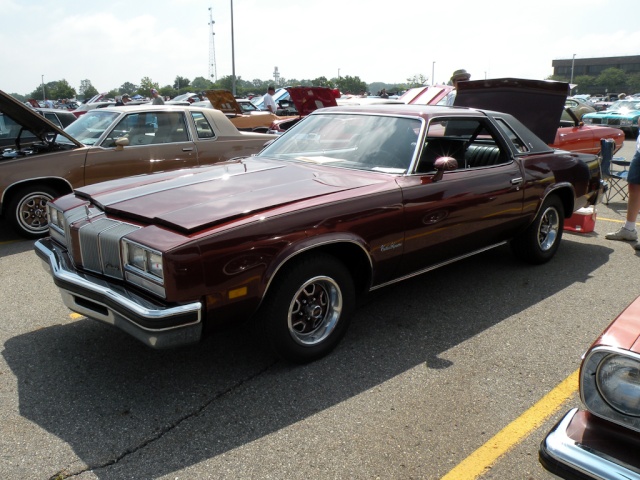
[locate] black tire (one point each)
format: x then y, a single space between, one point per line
540 241
26 211
308 308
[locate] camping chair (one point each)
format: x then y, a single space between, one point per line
617 179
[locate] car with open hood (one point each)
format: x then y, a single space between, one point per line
104 144
601 440
347 201
253 120
305 100
572 133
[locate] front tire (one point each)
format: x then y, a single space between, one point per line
308 308
540 241
27 212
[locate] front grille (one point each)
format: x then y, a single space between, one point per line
99 243
613 121
596 121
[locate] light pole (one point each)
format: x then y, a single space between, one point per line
572 62
433 69
43 95
338 74
233 57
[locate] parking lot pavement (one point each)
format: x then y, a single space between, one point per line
430 370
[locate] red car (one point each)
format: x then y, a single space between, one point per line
572 134
347 201
602 441
305 100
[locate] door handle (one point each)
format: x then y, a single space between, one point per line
187 149
516 181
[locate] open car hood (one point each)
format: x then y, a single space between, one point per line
309 99
31 120
538 104
224 101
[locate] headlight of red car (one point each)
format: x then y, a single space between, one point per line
143 267
610 385
618 380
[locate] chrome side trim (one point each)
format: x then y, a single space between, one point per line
577 457
433 267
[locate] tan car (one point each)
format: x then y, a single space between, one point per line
254 121
105 144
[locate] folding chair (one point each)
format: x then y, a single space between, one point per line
617 179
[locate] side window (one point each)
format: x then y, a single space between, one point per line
53 119
469 140
203 127
171 128
511 135
139 128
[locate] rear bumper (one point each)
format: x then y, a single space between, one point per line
582 446
153 323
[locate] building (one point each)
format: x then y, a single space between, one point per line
594 66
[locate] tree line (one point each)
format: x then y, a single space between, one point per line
61 89
610 80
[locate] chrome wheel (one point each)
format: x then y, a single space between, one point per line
548 228
315 310
29 212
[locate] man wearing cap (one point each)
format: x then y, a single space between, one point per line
458 76
157 99
123 100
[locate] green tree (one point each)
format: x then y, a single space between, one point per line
181 82
200 83
612 80
62 89
348 84
128 87
416 81
146 84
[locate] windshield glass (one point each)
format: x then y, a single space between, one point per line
89 127
625 105
364 142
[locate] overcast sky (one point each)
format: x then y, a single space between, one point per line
112 42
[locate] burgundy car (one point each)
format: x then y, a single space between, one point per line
347 201
602 441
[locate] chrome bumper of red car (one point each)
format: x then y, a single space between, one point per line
156 325
579 448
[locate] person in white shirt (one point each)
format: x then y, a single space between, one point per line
269 103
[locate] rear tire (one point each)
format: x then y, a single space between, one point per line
26 211
308 308
540 241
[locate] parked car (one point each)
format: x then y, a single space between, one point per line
579 106
304 100
185 99
556 124
10 130
347 201
254 120
280 97
623 114
601 440
104 144
574 135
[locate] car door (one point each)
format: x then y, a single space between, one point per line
157 141
473 207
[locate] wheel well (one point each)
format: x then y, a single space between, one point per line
566 197
352 256
58 184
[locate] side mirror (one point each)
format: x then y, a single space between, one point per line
444 164
121 143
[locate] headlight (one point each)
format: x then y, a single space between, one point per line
618 380
587 121
143 261
625 122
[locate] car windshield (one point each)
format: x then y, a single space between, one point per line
89 127
625 105
365 142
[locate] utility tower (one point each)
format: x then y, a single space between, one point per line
213 74
276 76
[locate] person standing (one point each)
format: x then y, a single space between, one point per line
628 231
157 99
269 102
458 76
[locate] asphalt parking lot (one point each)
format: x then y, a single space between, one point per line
442 376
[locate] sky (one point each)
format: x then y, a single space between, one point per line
113 42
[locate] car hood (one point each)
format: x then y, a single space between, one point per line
538 104
224 101
30 119
309 99
194 199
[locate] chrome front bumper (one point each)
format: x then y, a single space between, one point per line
572 451
153 323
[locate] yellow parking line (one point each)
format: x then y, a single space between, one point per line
75 316
484 457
